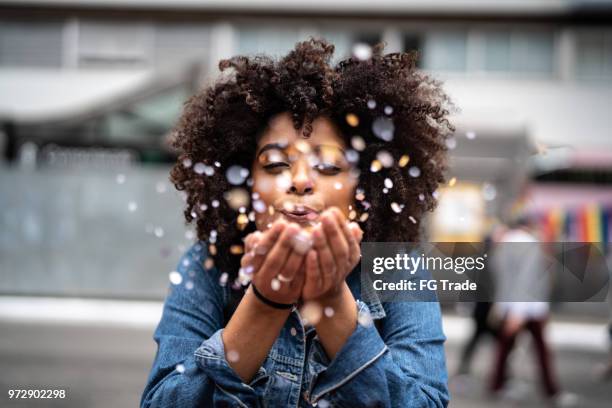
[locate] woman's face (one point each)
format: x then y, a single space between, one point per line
296 178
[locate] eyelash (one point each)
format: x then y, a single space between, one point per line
327 170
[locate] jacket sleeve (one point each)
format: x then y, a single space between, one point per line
190 368
403 365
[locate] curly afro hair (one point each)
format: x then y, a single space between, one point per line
221 124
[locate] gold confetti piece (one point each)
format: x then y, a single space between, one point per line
452 181
364 217
242 221
236 249
352 214
404 160
209 263
352 120
212 249
375 166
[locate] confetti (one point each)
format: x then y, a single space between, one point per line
375 166
120 178
403 161
187 163
302 242
414 171
160 187
236 249
470 134
329 311
237 198
383 128
311 312
371 104
489 192
352 119
159 232
362 51
388 183
132 206
233 356
199 168
352 156
388 110
180 368
236 175
364 318
385 158
452 182
396 207
223 279
175 278
358 143
275 284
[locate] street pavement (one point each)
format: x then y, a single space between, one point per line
106 365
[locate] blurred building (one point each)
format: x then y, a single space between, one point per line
101 82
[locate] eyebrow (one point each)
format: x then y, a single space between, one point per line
270 146
283 146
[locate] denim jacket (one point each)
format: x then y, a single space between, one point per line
396 362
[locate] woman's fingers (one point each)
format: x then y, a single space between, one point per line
279 254
251 240
353 244
327 264
256 255
338 245
312 278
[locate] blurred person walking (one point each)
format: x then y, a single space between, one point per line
480 314
519 265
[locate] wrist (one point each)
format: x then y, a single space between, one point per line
341 303
264 309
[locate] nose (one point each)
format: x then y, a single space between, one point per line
301 179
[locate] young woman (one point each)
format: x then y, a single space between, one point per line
286 165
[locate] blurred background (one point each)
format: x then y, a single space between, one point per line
90 226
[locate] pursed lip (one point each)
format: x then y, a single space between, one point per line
300 213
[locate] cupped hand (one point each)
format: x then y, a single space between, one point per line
274 262
336 251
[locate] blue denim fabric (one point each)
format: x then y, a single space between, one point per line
396 362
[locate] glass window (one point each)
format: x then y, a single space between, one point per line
533 52
497 51
594 55
513 51
146 121
445 51
180 44
274 42
112 44
414 42
31 44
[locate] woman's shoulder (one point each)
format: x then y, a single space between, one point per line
196 271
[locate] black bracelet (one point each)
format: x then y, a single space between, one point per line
269 302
